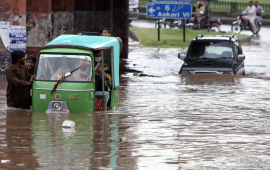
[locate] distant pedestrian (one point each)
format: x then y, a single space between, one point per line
19 81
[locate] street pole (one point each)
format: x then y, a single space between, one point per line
208 19
184 30
158 30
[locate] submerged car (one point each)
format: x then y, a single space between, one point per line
133 10
213 54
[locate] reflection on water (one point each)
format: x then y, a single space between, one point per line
92 143
16 140
165 121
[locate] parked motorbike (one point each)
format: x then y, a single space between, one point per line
243 23
162 23
214 24
176 23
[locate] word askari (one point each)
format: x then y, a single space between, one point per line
173 15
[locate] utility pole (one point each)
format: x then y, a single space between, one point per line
208 19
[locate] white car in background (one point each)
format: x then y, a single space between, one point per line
133 10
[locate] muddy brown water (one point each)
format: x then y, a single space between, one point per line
165 121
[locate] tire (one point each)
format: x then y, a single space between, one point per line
258 29
179 25
156 26
236 28
215 28
189 27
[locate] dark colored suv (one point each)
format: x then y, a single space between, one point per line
213 54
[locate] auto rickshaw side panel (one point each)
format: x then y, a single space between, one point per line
115 99
79 96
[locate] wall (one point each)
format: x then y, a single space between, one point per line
14 12
47 19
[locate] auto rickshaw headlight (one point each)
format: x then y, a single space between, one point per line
56 106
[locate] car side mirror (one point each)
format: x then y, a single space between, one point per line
181 56
241 57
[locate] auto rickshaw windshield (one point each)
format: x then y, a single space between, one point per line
54 66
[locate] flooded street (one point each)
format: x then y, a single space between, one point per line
165 121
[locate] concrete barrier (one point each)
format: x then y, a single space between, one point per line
134 36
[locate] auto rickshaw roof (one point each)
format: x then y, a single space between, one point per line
83 41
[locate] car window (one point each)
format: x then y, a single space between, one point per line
211 50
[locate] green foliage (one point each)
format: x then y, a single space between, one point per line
170 38
247 1
142 3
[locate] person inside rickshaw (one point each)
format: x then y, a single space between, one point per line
71 65
99 70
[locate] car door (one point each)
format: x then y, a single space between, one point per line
239 67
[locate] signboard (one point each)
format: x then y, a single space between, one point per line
171 1
4 33
173 11
17 38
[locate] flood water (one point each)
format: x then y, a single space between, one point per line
165 121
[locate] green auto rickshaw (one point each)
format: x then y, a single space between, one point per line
65 75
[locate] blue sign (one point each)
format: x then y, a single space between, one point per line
17 38
171 1
173 11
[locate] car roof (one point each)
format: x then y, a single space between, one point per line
86 41
232 38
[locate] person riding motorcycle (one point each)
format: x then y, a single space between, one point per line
200 12
206 15
251 15
259 13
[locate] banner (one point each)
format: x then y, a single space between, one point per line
4 33
17 38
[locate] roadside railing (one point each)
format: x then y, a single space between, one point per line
224 6
236 7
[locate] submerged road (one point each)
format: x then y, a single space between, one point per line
165 121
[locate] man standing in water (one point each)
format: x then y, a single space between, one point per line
19 82
30 64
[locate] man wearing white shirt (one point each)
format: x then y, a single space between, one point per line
251 12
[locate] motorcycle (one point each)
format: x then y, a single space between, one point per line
214 24
176 23
161 23
243 23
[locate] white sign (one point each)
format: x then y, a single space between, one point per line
4 33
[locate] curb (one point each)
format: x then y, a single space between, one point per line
246 39
134 36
